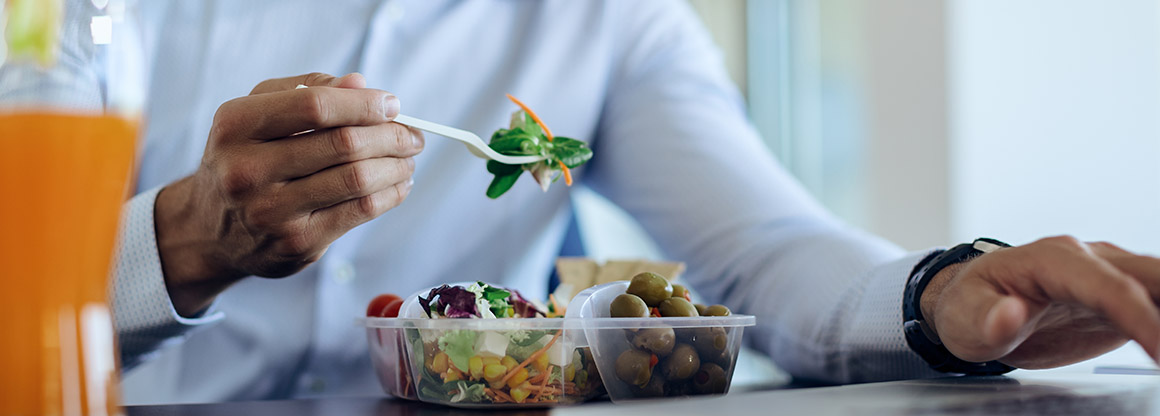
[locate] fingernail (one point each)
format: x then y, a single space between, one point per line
410 183
417 141
391 106
411 162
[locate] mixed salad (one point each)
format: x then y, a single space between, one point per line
529 136
496 366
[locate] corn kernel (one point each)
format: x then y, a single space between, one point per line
490 361
494 372
569 372
509 362
475 367
518 378
439 363
541 363
452 375
520 394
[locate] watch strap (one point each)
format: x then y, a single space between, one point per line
919 337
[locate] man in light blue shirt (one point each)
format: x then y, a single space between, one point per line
361 206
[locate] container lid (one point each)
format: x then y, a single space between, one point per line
513 324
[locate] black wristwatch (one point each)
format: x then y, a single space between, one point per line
918 335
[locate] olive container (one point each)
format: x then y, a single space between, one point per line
649 358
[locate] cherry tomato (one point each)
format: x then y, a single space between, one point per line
392 309
380 302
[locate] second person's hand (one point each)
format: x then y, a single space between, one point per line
286 172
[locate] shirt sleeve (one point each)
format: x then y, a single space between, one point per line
143 314
675 150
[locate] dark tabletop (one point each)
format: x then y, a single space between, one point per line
339 406
359 406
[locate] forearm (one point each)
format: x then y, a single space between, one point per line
828 302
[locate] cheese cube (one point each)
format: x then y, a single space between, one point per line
491 344
560 353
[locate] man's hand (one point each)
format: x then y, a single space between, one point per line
1054 302
286 172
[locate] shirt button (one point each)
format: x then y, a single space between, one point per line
343 272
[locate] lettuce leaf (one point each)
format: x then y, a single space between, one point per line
469 392
459 346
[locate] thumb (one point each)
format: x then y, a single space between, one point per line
1004 323
314 79
978 323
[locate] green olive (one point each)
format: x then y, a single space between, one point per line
717 310
710 342
659 341
679 291
677 307
701 309
651 287
628 306
681 364
710 379
654 388
632 367
679 388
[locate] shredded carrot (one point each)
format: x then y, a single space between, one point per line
567 173
545 390
531 358
543 385
544 382
504 396
555 305
533 115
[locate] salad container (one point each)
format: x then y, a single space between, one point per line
388 349
546 362
490 363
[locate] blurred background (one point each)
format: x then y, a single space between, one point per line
934 122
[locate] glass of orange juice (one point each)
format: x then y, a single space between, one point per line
72 86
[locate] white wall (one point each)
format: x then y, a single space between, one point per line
1055 115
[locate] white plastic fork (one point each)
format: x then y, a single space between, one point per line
469 139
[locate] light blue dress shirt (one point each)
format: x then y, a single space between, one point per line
639 80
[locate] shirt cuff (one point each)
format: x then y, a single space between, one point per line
875 340
143 313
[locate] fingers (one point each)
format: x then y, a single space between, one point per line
316 79
305 154
280 114
334 221
1070 271
1145 269
347 182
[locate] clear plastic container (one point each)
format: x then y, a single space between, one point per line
545 362
388 349
489 363
648 358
